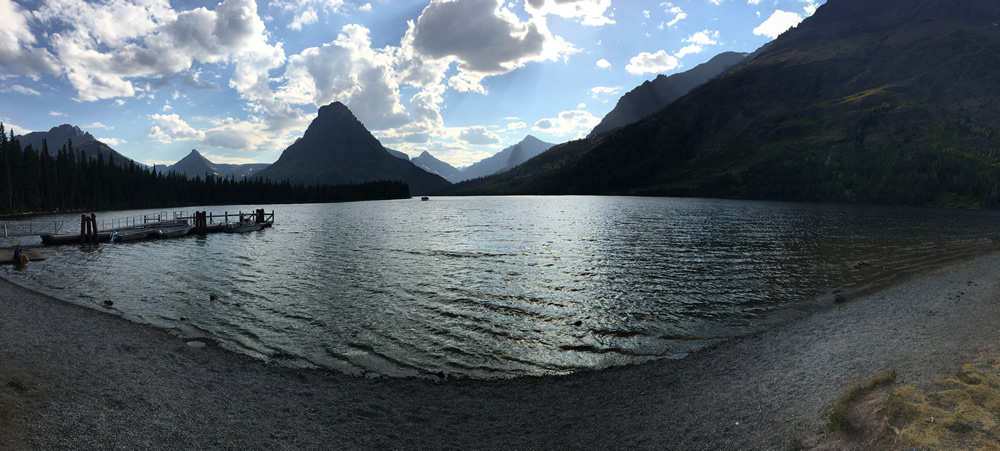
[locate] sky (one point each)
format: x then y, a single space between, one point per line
240 80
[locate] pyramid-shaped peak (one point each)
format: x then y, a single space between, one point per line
195 155
335 110
334 119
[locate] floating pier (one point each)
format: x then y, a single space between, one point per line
200 223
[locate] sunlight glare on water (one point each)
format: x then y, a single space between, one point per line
500 286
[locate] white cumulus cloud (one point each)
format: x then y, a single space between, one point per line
590 12
677 13
482 37
18 55
102 59
113 142
646 62
811 7
599 91
779 22
478 135
94 125
170 128
573 123
350 71
303 18
697 42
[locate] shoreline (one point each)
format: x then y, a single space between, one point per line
76 377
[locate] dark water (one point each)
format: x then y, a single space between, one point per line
501 286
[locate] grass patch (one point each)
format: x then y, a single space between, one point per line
962 412
838 415
857 97
18 385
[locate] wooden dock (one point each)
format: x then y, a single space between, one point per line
201 223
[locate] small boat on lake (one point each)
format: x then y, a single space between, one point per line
174 231
241 227
425 198
130 234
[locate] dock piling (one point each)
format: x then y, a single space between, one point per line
88 228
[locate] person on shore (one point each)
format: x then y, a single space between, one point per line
19 255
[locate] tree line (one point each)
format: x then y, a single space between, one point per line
40 181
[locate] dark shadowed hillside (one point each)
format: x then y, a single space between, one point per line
893 101
656 94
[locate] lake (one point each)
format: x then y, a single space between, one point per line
489 287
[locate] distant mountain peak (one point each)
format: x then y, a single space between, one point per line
429 163
885 102
69 129
508 158
196 165
336 111
58 137
194 154
656 94
337 149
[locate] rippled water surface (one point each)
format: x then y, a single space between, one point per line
501 286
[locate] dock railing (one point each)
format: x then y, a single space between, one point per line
31 228
91 229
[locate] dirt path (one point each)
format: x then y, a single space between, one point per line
71 377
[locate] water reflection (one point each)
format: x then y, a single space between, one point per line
503 286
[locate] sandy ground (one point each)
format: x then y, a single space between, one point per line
72 377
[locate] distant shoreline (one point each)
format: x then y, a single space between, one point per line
76 377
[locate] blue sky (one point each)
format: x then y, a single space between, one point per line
241 80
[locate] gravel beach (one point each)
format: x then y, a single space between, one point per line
78 378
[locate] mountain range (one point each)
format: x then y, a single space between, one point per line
196 165
656 94
337 149
890 102
877 102
81 141
504 160
429 163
